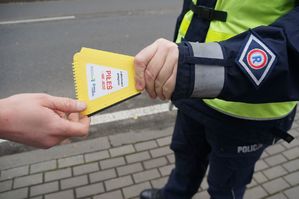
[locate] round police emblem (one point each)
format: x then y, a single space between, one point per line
257 58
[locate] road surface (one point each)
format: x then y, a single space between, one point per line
39 39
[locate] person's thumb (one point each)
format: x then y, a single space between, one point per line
66 104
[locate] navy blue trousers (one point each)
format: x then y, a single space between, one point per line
229 150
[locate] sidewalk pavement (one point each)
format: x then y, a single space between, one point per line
120 166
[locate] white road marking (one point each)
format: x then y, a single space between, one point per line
127 114
37 20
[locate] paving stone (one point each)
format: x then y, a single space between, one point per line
28 180
138 157
275 186
130 138
260 165
294 143
58 174
253 183
295 131
264 155
134 191
110 195
292 178
146 175
146 145
37 197
164 141
277 196
43 166
15 172
204 185
259 177
295 128
275 160
5 185
57 152
202 195
89 190
255 193
74 182
102 175
118 183
161 157
292 193
44 188
292 153
86 168
69 194
123 150
160 152
70 161
292 165
110 163
275 172
165 171
159 183
153 163
171 158
274 149
129 169
96 156
15 194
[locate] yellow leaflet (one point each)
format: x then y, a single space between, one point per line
103 78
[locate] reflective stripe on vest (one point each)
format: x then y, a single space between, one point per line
243 15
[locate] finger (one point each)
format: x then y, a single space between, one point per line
64 104
140 63
75 129
66 141
61 114
166 72
153 69
169 86
74 117
85 120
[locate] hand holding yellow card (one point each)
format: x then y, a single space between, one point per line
103 78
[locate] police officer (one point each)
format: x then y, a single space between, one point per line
232 75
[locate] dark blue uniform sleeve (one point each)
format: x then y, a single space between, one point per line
260 65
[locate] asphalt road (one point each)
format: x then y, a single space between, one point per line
37 57
39 39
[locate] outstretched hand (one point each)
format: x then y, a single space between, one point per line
156 69
41 120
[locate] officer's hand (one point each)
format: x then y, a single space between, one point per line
156 69
41 120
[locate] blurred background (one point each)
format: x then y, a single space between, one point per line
39 38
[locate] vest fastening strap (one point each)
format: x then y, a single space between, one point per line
208 13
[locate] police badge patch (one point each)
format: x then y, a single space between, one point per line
256 60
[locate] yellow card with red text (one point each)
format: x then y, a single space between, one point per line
103 78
